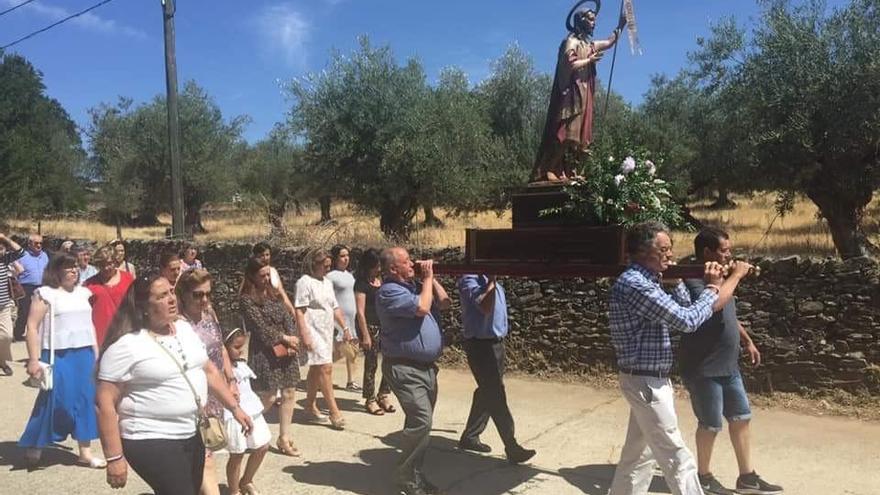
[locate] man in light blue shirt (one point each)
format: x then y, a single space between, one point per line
484 326
411 342
34 264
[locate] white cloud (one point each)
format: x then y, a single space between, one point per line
89 21
285 30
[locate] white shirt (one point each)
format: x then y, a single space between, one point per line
274 278
156 400
249 402
73 327
318 298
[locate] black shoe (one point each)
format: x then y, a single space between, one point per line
752 484
711 486
520 455
474 445
411 489
6 369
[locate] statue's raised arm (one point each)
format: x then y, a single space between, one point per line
568 131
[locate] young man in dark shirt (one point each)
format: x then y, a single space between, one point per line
709 360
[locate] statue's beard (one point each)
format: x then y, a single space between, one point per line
584 30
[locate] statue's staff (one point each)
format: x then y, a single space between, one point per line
611 74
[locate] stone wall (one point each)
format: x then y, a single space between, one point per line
817 323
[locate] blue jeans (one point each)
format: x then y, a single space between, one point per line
714 397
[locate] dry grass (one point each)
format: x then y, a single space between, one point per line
754 225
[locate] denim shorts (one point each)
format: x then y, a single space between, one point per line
714 397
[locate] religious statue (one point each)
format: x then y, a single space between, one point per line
568 131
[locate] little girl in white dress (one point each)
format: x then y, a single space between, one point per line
257 443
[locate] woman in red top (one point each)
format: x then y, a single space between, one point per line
108 289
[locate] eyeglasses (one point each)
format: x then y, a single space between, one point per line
199 294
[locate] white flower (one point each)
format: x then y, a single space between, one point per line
609 201
652 169
610 159
659 182
629 164
655 201
618 179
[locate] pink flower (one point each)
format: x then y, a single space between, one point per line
629 164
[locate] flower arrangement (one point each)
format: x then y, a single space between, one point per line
623 191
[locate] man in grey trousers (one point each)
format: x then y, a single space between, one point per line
411 342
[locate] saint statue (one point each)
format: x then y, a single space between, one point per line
568 131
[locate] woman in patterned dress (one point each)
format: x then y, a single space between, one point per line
194 295
271 327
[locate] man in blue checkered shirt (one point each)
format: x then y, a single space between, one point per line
641 315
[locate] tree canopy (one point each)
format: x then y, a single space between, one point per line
42 160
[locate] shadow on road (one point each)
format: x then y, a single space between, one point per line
12 455
595 479
453 470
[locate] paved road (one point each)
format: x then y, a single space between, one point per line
577 430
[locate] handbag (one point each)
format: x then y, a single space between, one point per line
47 381
281 351
211 429
16 291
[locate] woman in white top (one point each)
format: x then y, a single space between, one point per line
316 308
147 412
60 323
343 287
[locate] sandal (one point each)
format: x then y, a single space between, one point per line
287 448
337 423
385 405
374 408
249 489
93 463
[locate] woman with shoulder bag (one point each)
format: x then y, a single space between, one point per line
193 291
61 355
152 362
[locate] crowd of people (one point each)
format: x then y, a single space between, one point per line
144 364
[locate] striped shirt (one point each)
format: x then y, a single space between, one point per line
641 315
5 273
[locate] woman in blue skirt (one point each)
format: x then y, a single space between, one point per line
60 321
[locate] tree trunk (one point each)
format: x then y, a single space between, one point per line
395 218
431 219
843 208
324 201
276 211
192 219
723 202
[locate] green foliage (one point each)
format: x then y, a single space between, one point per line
621 187
272 175
807 86
41 156
129 146
380 135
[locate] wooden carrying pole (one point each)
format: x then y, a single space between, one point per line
547 270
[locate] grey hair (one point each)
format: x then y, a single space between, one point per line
387 258
641 236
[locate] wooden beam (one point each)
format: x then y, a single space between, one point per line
556 270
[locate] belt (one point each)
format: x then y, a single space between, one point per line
409 362
654 373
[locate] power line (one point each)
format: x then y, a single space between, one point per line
22 4
50 26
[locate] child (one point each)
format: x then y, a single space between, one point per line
237 443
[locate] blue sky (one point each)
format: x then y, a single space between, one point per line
242 50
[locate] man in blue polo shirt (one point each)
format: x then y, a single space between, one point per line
34 263
484 325
411 342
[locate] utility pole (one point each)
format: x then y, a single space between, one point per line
177 220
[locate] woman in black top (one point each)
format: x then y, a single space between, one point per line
367 282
